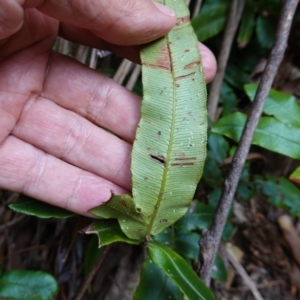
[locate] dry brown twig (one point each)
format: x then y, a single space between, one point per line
235 14
210 240
92 274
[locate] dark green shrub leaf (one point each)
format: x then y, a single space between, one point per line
295 176
31 285
270 134
228 99
155 284
265 31
92 254
281 193
218 147
219 271
211 20
109 231
33 207
179 271
246 27
283 107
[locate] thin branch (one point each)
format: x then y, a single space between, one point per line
211 238
241 271
93 59
82 53
133 77
122 71
92 274
235 14
197 8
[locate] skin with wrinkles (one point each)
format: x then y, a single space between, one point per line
51 108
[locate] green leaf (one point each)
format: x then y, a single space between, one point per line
265 31
109 231
169 150
295 176
212 175
218 147
179 271
246 28
198 220
228 99
155 284
270 134
281 193
211 20
123 208
182 241
33 207
283 107
219 271
92 254
31 285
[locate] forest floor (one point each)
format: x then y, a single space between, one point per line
265 255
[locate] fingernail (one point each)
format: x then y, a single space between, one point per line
165 9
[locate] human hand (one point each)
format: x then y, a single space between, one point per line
51 107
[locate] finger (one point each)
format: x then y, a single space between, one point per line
11 18
75 140
85 37
92 95
28 170
122 22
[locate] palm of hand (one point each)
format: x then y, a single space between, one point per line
51 148
52 109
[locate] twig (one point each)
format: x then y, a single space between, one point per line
133 77
93 59
235 14
92 274
64 46
211 238
239 268
122 71
197 8
82 53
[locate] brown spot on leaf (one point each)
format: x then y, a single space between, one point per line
182 164
159 158
123 203
187 50
192 64
163 221
183 20
163 61
185 76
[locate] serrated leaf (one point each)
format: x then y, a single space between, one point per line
211 20
270 133
180 272
27 285
283 107
108 232
33 207
155 284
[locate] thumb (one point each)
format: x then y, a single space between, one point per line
122 22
